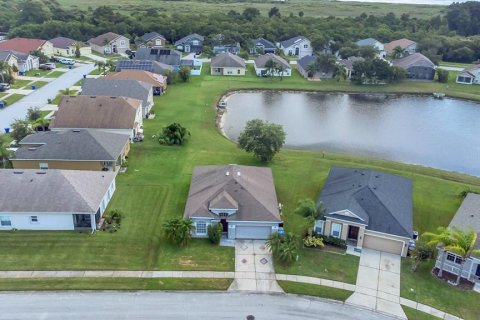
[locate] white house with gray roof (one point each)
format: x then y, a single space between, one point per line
241 198
298 46
467 217
262 68
53 199
371 42
227 64
367 209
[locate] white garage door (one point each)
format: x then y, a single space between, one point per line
252 232
382 244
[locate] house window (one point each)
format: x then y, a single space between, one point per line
43 165
305 46
319 226
201 228
238 71
195 42
336 230
158 42
122 43
223 214
33 219
454 258
5 221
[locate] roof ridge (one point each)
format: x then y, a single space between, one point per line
62 172
260 202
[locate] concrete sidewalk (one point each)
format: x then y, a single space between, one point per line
115 274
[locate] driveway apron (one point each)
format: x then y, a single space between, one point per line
254 269
378 283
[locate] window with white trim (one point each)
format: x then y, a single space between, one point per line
223 214
158 42
336 230
201 228
5 221
33 219
454 258
319 226
43 165
305 46
122 43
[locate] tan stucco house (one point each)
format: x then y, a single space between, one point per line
110 42
77 149
227 64
367 209
67 47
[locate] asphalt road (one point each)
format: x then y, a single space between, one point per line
173 305
39 98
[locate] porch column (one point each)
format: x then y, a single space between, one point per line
327 228
361 235
344 234
93 222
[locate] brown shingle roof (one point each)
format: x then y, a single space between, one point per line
96 112
227 60
250 188
100 40
402 43
155 80
24 45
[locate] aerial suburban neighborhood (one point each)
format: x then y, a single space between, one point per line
286 160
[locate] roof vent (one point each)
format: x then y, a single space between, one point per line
472 216
377 176
239 174
41 172
32 148
227 173
374 187
17 172
76 130
363 173
93 97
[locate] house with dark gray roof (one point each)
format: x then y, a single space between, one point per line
145 65
371 42
23 61
53 199
270 64
67 47
223 48
191 43
418 66
167 56
348 64
466 218
298 46
241 198
105 86
152 40
368 209
227 64
76 149
262 46
470 75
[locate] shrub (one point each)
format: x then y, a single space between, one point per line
284 247
179 231
442 75
113 220
214 233
312 241
336 242
174 134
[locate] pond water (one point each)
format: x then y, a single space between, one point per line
443 134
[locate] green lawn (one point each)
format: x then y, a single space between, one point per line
95 72
314 290
413 314
55 74
37 73
60 95
421 286
20 83
38 84
13 98
114 284
455 64
321 264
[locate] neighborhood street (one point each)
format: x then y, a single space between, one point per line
173 305
38 98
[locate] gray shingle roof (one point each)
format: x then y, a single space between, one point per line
260 61
265 43
190 37
468 216
306 61
367 42
61 191
414 60
151 35
62 42
4 55
227 60
117 88
348 63
76 145
287 43
164 55
100 40
250 188
146 65
382 201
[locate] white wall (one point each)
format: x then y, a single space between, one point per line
286 72
290 51
21 221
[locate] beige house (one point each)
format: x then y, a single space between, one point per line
227 64
67 47
367 209
110 42
77 149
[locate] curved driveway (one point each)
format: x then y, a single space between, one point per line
38 98
173 305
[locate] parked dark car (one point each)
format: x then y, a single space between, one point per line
4 87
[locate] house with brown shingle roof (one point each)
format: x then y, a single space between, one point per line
241 198
262 68
112 114
227 64
27 46
158 82
110 42
67 47
408 46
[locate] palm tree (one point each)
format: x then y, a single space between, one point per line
280 70
41 124
397 52
340 73
283 247
4 151
312 68
440 239
179 231
270 66
101 67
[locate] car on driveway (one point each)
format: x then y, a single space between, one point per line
47 66
66 61
4 87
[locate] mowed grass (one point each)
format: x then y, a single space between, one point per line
413 314
114 284
55 74
12 98
314 290
421 286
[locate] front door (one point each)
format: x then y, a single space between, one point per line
224 225
297 51
353 232
187 48
478 270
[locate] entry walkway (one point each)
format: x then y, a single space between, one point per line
378 283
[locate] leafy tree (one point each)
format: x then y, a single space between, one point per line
179 231
274 12
251 13
300 14
20 129
284 248
77 50
397 52
32 11
5 153
174 134
325 62
442 75
214 232
264 139
420 253
398 73
42 58
339 72
368 52
6 72
33 113
270 67
184 74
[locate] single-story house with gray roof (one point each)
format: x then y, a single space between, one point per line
108 87
417 66
367 209
145 65
53 199
241 198
167 56
262 69
227 64
76 149
467 217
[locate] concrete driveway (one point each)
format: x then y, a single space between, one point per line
254 269
378 283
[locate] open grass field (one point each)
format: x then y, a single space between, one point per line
314 290
311 8
421 286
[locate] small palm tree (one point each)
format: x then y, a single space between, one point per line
340 73
285 247
41 124
397 52
5 153
5 70
312 68
270 66
280 69
179 231
101 67
440 239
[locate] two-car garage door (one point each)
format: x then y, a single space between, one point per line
383 244
252 232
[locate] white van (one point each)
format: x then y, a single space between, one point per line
66 61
